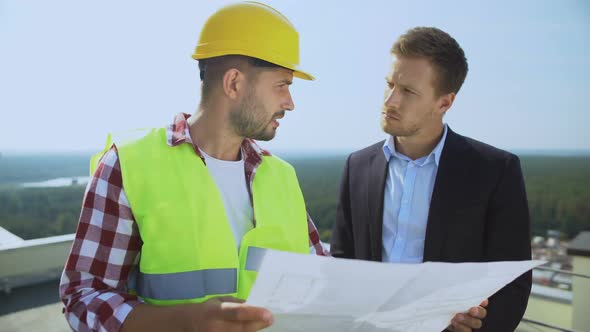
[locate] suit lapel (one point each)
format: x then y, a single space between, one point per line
376 187
452 167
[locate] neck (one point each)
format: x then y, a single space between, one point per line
211 129
420 145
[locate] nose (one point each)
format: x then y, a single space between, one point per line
288 104
391 97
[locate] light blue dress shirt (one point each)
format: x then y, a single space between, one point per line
408 190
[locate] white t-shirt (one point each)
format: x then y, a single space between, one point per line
230 178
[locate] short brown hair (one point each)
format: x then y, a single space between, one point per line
443 52
211 70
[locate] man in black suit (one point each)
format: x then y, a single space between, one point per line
429 194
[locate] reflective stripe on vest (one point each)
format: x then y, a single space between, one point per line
254 259
187 285
193 284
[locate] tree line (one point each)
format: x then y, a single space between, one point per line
558 190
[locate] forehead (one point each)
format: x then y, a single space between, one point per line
276 74
414 71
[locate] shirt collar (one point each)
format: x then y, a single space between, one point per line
178 133
390 151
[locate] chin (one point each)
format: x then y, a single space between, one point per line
388 129
265 136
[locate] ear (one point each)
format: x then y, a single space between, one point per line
445 102
233 83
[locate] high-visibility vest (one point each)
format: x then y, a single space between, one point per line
189 252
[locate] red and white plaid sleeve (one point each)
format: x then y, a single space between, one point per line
315 245
93 283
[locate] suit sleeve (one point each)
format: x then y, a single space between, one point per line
508 239
342 242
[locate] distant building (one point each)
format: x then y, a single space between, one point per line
553 239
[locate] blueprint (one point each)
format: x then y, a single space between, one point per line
314 293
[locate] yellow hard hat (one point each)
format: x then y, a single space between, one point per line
252 29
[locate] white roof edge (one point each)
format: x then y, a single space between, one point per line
8 238
36 242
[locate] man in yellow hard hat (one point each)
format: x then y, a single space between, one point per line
175 220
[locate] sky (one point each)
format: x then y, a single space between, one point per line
72 71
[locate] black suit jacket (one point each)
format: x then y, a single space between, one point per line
478 213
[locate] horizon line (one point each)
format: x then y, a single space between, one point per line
314 151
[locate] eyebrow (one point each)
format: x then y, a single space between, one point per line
286 81
389 80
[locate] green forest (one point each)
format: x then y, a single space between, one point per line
558 190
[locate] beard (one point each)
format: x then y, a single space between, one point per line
403 126
397 129
249 119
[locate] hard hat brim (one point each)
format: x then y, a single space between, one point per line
302 75
296 71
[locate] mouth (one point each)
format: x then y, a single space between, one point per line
391 116
277 117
